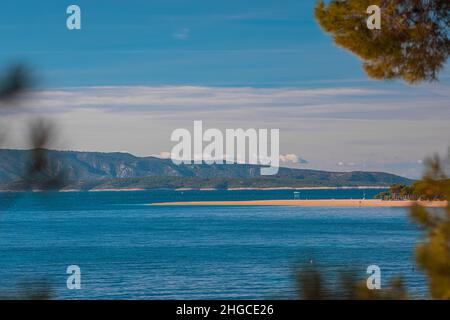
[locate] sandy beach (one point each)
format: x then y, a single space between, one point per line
308 203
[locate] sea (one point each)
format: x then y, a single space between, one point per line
127 249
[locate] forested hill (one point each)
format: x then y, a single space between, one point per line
95 170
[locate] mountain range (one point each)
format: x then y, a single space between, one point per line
116 170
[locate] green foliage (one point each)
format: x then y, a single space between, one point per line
412 43
433 255
423 190
312 286
38 289
382 195
398 192
94 170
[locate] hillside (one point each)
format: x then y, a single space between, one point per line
95 170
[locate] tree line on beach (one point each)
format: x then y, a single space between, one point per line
418 191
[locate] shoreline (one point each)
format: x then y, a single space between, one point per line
286 188
310 203
204 189
312 188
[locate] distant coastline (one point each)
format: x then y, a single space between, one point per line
244 189
206 189
94 171
313 188
310 203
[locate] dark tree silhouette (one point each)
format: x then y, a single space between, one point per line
40 174
14 84
433 254
412 43
311 285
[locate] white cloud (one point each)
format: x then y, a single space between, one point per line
165 155
287 104
290 157
147 98
182 34
363 128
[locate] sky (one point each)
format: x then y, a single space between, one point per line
137 70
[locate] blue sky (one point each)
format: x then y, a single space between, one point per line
213 43
139 69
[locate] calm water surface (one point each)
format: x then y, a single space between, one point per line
127 249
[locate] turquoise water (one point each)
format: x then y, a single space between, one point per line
127 249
